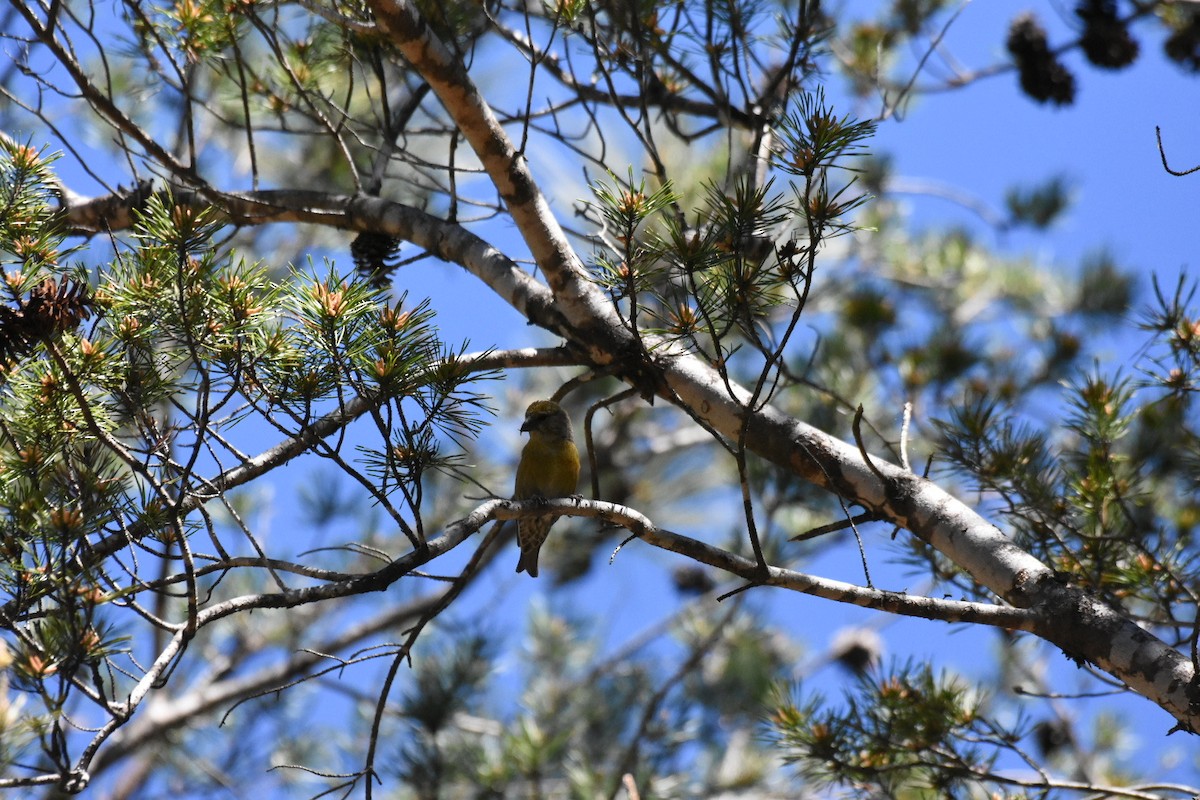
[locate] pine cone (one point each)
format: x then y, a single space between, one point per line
375 256
1106 41
52 308
1183 46
1043 76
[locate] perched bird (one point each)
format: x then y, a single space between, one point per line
549 468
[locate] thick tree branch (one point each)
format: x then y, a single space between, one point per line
840 591
1084 626
595 323
446 240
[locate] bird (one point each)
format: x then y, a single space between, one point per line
549 467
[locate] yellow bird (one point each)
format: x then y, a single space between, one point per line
549 468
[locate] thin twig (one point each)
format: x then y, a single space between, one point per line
1163 155
904 436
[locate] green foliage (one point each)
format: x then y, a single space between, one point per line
742 661
1108 497
582 721
113 434
815 139
28 189
896 734
197 29
913 15
717 278
1010 459
942 316
444 685
1038 206
1104 288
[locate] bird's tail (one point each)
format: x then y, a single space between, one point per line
528 562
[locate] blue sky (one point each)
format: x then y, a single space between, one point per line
987 137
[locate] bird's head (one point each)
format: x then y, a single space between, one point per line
547 418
